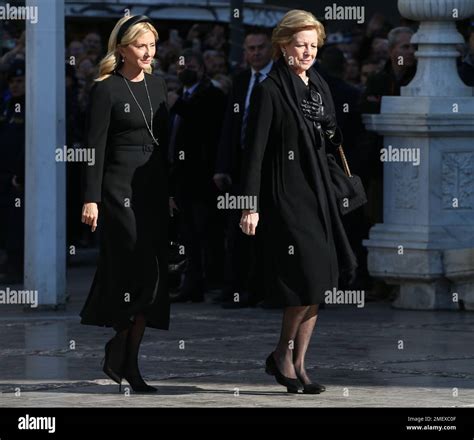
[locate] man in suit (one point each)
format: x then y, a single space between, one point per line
197 112
398 71
241 273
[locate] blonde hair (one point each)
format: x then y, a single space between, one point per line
112 60
292 22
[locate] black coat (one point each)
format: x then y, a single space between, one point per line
198 137
287 168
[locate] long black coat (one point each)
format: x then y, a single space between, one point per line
286 167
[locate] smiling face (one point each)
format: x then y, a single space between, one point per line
140 53
301 51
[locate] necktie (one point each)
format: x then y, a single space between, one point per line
257 77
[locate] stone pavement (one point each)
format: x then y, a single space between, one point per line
367 357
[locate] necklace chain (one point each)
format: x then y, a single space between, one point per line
150 126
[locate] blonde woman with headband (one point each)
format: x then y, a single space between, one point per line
126 197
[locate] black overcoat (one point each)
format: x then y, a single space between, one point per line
287 168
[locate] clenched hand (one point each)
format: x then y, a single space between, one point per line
90 214
249 222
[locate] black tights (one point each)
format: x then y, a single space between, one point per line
296 331
127 341
135 336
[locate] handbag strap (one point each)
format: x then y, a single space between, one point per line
344 161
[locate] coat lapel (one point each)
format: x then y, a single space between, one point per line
317 163
278 75
284 83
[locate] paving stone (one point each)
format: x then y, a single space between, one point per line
55 361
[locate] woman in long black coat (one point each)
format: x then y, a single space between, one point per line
126 195
285 169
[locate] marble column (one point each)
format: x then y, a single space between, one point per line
45 182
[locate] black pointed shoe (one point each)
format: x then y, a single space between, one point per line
138 385
271 368
311 388
113 361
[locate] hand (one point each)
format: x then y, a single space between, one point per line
172 206
335 138
317 113
249 222
222 181
328 124
90 214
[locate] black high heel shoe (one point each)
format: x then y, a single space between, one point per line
311 388
137 383
271 368
113 360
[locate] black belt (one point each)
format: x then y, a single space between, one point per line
146 148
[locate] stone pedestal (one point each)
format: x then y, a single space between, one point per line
459 270
428 224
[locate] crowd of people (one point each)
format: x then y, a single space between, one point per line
360 67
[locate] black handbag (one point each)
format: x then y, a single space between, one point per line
350 192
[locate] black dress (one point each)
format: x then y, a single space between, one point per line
129 181
286 168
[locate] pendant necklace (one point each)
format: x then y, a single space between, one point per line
148 126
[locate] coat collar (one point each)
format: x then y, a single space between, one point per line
316 157
281 74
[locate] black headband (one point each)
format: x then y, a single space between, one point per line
129 23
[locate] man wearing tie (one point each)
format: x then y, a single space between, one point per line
241 275
197 112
